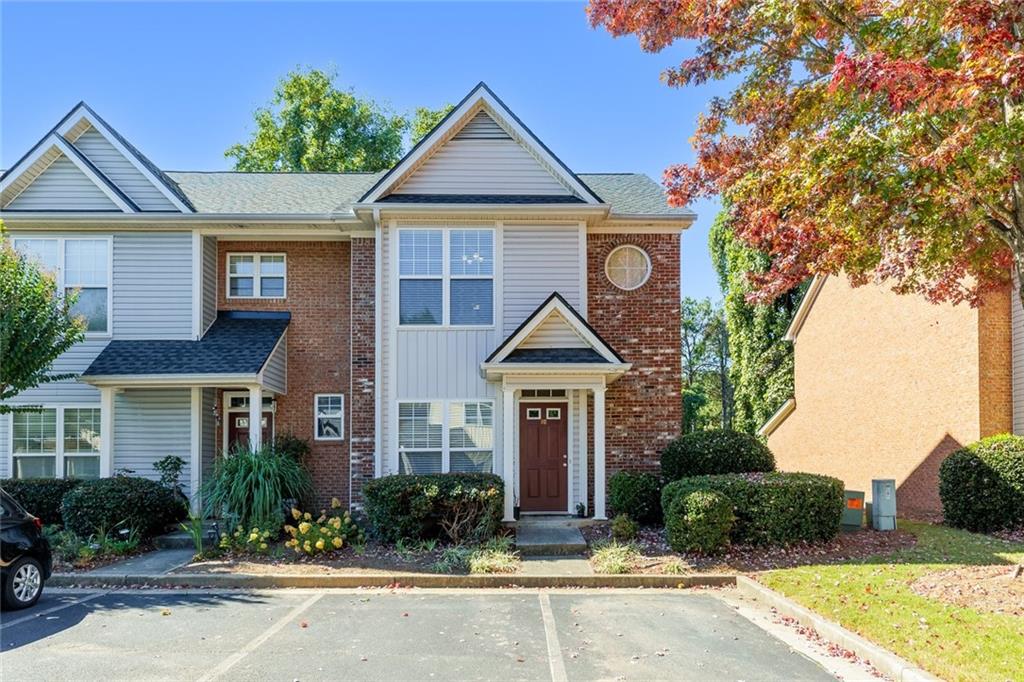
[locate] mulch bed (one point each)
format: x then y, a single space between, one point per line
657 555
984 588
1012 535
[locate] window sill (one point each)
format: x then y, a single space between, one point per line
445 328
329 440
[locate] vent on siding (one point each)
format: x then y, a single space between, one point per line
482 127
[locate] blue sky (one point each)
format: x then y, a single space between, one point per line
180 80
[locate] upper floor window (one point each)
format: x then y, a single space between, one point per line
82 266
446 277
628 267
257 275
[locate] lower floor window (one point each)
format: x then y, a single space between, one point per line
56 442
445 436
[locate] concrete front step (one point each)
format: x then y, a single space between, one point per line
180 539
548 537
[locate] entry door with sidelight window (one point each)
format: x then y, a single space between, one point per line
543 457
237 411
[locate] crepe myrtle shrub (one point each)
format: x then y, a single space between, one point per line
699 521
40 496
719 451
773 508
459 507
120 503
982 485
636 494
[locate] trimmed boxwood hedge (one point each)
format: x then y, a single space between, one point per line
121 502
40 496
772 508
420 506
699 521
637 495
982 485
718 451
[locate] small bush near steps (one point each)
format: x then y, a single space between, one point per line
624 528
636 494
719 451
41 497
614 557
982 485
121 502
699 521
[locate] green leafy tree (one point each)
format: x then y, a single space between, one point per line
706 390
424 119
36 324
761 368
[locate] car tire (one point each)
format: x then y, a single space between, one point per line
23 584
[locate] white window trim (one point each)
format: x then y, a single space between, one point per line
446 449
316 417
647 259
446 277
256 287
61 242
59 455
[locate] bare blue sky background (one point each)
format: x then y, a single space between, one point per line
180 80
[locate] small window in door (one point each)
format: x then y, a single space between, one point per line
533 413
554 413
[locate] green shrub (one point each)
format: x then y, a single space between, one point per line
122 502
40 496
637 495
251 486
982 485
624 528
772 508
720 451
459 506
700 521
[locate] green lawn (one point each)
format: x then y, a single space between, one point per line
873 598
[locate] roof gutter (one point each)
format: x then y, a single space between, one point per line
804 308
179 218
573 209
776 419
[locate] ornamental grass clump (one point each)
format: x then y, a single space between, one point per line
331 530
251 486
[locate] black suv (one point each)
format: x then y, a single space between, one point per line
25 561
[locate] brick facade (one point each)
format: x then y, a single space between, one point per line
363 348
643 408
318 298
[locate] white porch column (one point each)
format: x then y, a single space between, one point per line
106 431
196 447
255 417
599 481
508 410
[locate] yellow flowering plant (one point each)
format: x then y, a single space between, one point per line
253 540
329 531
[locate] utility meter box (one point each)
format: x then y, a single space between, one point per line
853 510
883 504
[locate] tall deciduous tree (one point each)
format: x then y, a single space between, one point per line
424 119
883 139
36 324
707 391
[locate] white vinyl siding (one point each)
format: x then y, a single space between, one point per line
554 332
209 282
445 364
122 172
62 187
150 424
208 446
482 127
539 260
153 285
275 371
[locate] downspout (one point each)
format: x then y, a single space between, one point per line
378 276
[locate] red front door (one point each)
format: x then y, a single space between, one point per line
238 428
543 457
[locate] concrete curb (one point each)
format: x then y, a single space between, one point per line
403 579
882 660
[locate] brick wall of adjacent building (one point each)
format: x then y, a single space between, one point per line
363 402
886 386
643 408
318 298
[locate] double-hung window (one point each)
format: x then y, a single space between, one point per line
82 267
445 436
330 422
446 276
56 442
257 275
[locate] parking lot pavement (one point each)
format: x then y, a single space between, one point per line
392 635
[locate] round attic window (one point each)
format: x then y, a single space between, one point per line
627 267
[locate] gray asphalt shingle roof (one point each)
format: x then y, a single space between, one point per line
555 355
323 193
236 343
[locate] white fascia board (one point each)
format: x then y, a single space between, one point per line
554 371
776 419
157 380
804 308
237 221
568 209
82 112
570 318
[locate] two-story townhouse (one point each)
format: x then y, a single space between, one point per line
477 307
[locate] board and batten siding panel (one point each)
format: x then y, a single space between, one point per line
387 331
5 445
1017 357
554 332
153 285
121 172
482 166
537 262
62 187
443 363
275 372
150 424
209 282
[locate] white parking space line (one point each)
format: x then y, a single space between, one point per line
58 607
234 658
551 634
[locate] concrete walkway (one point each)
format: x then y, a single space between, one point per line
546 536
157 562
556 565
